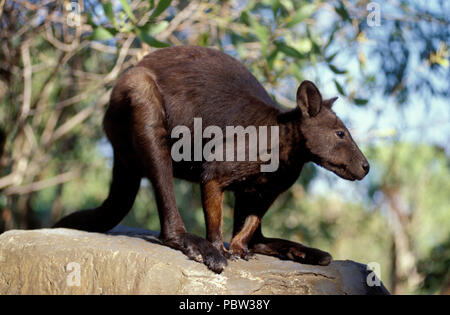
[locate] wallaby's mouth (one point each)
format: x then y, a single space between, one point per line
342 171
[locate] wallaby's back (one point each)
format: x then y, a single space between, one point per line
204 82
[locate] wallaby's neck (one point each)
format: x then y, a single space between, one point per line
292 142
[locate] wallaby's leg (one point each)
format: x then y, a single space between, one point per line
150 138
248 238
212 199
248 211
124 187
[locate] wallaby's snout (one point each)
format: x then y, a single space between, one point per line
366 167
328 141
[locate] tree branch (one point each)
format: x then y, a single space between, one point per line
39 185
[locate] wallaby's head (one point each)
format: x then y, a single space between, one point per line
327 139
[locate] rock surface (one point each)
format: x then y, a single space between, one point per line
130 261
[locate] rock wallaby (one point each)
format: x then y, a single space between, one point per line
173 87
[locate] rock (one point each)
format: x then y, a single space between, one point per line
130 261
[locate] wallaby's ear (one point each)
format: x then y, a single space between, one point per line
329 102
309 99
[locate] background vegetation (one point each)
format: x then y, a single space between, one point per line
60 59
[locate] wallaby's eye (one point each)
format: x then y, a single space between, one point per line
340 134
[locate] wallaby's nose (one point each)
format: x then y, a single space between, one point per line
366 167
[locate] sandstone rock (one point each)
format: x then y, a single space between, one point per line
63 261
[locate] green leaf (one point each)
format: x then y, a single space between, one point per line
101 33
360 101
160 8
289 50
109 12
154 28
330 40
90 20
342 11
330 58
303 13
150 40
237 39
146 32
336 70
315 48
261 32
245 18
203 39
287 4
127 9
275 8
339 87
271 58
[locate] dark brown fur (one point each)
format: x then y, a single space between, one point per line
172 86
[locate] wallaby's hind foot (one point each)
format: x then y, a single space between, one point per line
244 254
222 249
198 249
288 250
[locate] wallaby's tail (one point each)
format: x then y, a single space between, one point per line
124 187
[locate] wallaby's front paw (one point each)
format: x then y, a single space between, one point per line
222 249
238 251
198 249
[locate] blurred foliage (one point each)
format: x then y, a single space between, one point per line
409 185
59 60
436 271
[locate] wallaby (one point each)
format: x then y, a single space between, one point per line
173 86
